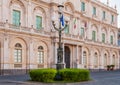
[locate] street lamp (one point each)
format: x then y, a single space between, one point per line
60 64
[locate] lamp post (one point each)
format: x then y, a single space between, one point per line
60 64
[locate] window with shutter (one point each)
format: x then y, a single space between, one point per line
16 17
94 35
104 14
111 39
103 37
82 31
94 10
82 6
112 18
38 22
66 30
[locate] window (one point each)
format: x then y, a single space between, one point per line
104 15
94 35
82 6
82 31
38 22
111 39
18 53
95 59
112 18
16 18
103 37
119 42
40 55
66 30
105 60
94 10
85 58
113 60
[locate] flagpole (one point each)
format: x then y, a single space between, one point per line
60 31
60 63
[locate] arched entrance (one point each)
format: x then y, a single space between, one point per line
67 56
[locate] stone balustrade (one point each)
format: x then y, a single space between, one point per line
42 32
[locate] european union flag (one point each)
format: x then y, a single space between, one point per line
62 20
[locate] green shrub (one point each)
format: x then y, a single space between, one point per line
74 75
43 75
70 75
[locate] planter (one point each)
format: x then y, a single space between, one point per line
112 67
108 67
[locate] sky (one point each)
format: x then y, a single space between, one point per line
112 3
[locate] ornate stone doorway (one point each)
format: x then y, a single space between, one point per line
67 56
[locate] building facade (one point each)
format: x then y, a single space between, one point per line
29 41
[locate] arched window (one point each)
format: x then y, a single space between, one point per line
95 59
105 60
84 58
18 53
40 55
113 60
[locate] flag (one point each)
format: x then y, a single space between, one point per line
75 23
62 20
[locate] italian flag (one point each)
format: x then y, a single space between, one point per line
75 23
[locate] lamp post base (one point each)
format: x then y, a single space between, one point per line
60 66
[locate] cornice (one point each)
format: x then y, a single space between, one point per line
104 6
40 2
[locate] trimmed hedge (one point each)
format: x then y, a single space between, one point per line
74 75
50 75
43 75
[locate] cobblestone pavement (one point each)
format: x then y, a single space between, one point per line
98 78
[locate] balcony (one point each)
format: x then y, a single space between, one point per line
100 43
11 27
42 32
81 39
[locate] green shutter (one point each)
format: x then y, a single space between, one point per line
112 18
94 35
94 11
104 14
82 6
38 22
111 39
103 37
16 17
82 31
66 30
